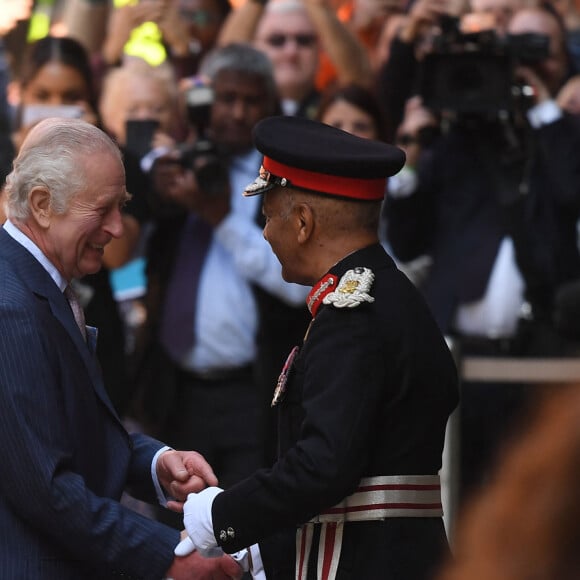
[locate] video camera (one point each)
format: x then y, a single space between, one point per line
473 72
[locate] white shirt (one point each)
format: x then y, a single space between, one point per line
238 256
496 314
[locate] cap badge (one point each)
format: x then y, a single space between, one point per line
259 183
352 290
264 179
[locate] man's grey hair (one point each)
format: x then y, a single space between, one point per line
52 157
243 58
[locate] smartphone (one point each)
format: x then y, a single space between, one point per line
32 114
139 134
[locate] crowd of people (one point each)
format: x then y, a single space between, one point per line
482 96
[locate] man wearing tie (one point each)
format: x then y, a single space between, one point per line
66 458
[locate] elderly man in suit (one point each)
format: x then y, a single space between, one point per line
66 457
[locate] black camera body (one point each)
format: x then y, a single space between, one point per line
203 156
198 103
474 72
208 164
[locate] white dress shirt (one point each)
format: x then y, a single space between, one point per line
238 256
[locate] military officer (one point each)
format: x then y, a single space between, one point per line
363 402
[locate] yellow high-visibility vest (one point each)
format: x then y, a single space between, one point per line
145 40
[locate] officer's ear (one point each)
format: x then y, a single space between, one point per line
305 221
40 207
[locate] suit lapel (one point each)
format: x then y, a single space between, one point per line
40 283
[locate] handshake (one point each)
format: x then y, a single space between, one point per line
184 476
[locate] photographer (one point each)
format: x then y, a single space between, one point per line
215 292
494 203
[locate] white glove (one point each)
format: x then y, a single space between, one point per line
198 521
186 547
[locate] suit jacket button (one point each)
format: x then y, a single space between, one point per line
231 533
223 536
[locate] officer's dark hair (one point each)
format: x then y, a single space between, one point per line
339 213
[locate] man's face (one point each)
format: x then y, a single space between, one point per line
240 101
203 19
289 40
280 233
74 241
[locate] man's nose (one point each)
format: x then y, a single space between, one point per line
239 109
114 225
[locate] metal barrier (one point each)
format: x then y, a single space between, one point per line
490 369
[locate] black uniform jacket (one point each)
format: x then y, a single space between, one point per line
369 394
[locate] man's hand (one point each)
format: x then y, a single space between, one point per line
181 473
179 185
196 567
537 87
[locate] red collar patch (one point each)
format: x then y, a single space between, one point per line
323 287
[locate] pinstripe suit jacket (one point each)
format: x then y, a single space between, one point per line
65 456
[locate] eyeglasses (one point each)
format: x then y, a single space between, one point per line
301 40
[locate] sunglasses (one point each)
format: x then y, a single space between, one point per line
301 40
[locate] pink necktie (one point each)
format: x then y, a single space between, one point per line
77 310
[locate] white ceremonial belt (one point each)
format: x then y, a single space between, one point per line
376 498
388 496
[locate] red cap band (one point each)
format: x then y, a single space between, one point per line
354 188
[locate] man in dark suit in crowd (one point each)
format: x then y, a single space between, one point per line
495 201
215 297
66 457
364 400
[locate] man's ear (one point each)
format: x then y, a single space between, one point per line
305 221
39 203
